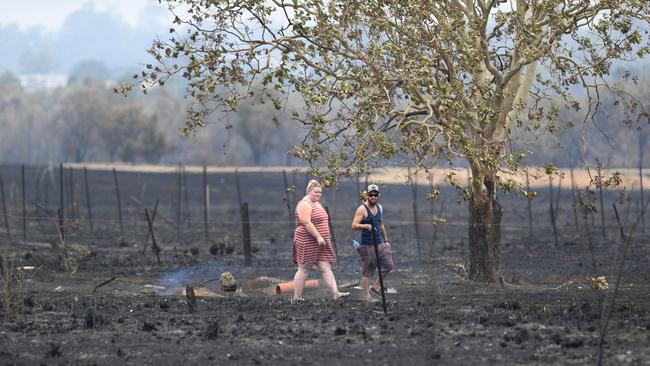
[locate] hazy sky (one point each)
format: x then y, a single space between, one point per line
50 14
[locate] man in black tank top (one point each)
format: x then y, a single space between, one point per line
362 221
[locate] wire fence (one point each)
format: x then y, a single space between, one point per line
104 208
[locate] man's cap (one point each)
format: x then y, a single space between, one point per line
373 187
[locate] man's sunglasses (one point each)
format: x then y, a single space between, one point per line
373 194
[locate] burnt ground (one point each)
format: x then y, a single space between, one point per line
546 313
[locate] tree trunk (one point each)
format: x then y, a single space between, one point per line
484 236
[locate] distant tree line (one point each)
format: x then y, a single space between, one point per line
86 121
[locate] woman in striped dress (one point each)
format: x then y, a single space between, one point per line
312 244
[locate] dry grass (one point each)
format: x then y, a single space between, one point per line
13 287
388 175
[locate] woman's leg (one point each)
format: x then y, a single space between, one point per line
330 281
299 280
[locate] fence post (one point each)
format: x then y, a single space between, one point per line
88 203
188 210
154 245
246 234
643 140
61 201
153 217
22 182
414 190
288 202
433 211
206 203
4 207
119 205
179 200
602 203
73 213
530 206
551 209
575 200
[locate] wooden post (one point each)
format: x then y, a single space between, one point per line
179 200
642 141
73 214
602 204
47 189
61 201
88 202
154 245
358 192
153 217
188 211
366 183
557 196
119 205
239 201
4 207
435 228
329 222
206 203
574 194
22 183
246 234
414 190
59 213
191 298
286 199
530 206
433 212
551 209
294 182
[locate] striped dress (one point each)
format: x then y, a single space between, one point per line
305 245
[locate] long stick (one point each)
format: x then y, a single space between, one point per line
22 182
103 283
4 207
119 205
89 207
381 279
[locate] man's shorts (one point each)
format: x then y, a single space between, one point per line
369 259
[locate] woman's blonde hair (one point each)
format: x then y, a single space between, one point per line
313 184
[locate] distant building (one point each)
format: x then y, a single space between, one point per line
35 81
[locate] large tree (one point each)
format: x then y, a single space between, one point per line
427 79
